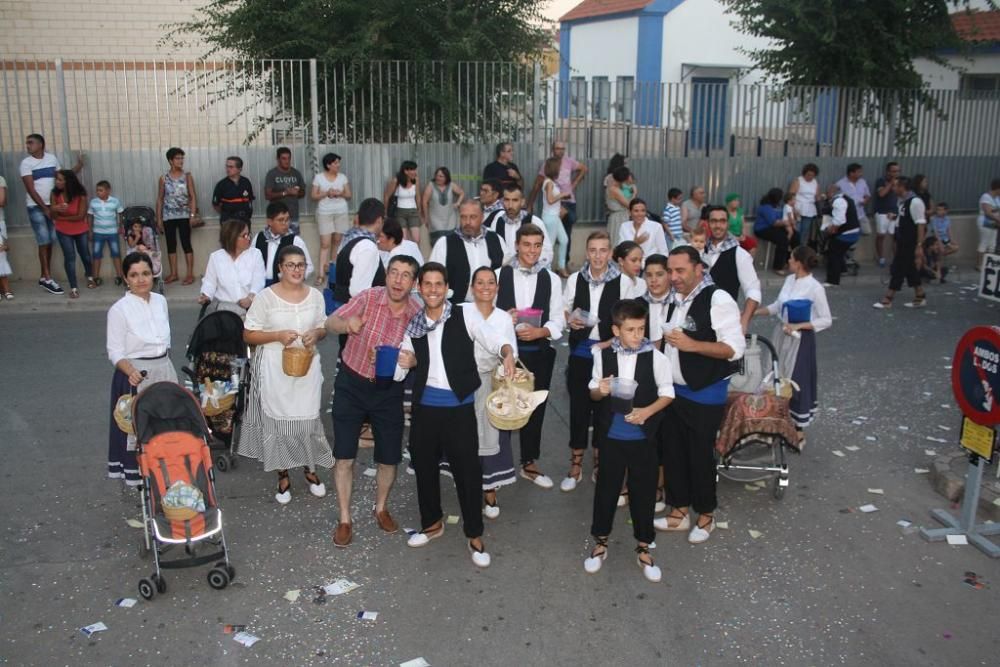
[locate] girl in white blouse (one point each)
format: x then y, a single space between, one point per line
235 273
803 309
138 344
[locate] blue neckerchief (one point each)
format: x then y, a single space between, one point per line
418 325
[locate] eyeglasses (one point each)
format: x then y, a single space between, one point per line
294 266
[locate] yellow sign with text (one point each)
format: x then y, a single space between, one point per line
977 439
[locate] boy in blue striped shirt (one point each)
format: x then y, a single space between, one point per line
672 217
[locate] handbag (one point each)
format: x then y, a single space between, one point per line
196 220
390 211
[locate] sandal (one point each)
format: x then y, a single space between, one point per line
646 564
882 304
597 464
661 500
91 283
598 555
623 498
681 521
187 281
571 480
74 293
99 281
533 474
172 278
316 487
284 494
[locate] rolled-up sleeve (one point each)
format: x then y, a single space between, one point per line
117 329
557 312
663 375
406 345
726 323
749 282
597 371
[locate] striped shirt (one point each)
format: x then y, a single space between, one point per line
672 218
382 327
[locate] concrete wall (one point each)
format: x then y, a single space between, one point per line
938 76
604 48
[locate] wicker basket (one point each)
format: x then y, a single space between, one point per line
516 418
295 361
123 413
216 408
523 380
179 513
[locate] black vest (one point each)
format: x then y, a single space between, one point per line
851 221
457 262
581 299
342 287
499 223
645 393
492 218
724 273
701 371
459 358
262 244
543 296
906 227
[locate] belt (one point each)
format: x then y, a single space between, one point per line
351 371
152 358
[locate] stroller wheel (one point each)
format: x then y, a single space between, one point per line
777 490
146 589
230 570
218 578
161 583
222 462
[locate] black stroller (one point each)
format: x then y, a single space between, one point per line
218 355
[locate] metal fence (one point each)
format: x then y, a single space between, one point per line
728 137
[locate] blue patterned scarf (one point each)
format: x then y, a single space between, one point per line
678 300
618 348
529 270
418 325
612 272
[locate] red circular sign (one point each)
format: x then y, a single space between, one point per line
975 375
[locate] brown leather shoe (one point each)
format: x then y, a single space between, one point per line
342 536
385 521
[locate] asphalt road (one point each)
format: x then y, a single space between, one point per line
821 585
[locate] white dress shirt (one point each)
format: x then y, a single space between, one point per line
365 259
725 322
656 241
749 282
626 291
230 280
662 374
503 325
406 247
657 318
482 334
804 288
476 252
524 296
138 328
272 254
510 238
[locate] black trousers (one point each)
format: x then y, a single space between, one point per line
836 251
583 410
451 432
540 363
638 459
779 237
178 227
904 265
689 430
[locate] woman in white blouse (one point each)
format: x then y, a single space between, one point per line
803 309
648 234
235 273
138 344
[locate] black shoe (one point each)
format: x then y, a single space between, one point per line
50 286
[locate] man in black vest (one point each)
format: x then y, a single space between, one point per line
359 265
510 220
911 228
594 289
730 266
704 337
439 346
491 198
844 233
275 236
466 249
526 284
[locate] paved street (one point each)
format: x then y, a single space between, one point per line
820 586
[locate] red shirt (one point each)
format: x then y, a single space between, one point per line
67 227
382 327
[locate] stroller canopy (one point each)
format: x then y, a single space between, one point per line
165 407
222 332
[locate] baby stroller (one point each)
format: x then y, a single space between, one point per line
145 238
218 354
179 505
757 427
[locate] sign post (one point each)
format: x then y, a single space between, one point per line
975 380
989 278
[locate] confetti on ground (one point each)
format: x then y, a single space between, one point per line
367 615
751 487
292 595
867 509
755 533
921 471
340 586
133 523
246 638
903 428
857 422
871 438
946 406
943 427
930 452
93 628
416 662
931 438
957 540
724 525
837 452
452 519
127 603
903 523
852 448
230 629
879 492
370 472
927 393
831 409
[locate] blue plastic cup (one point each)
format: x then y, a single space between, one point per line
386 357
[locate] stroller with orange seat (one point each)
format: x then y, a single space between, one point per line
179 503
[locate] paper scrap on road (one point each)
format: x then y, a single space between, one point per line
416 662
340 586
931 438
903 428
230 629
93 628
370 472
127 603
755 533
246 638
857 422
921 471
760 483
957 540
367 615
879 492
134 523
871 438
837 452
292 595
903 523
852 448
927 393
751 487
868 508
943 427
724 525
946 406
452 519
930 452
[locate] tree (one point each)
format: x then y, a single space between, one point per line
353 40
855 44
